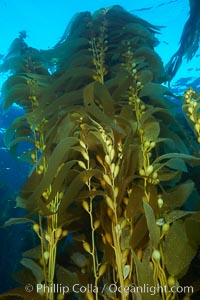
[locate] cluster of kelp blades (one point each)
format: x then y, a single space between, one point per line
111 163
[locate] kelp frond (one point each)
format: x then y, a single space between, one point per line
111 167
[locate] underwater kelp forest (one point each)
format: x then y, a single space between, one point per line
114 165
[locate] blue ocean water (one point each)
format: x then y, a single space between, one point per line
45 22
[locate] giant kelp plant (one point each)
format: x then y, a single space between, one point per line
112 164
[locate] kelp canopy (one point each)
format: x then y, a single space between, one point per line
189 41
112 166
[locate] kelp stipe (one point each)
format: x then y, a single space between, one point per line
110 164
191 106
